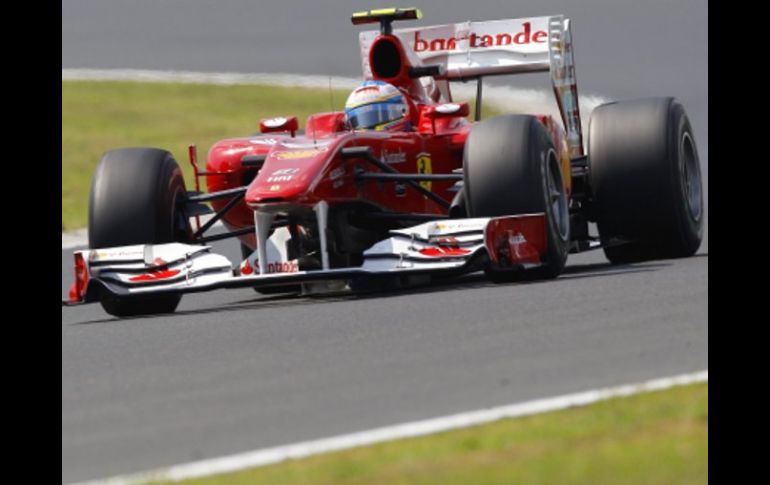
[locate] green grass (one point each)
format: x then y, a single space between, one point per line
652 438
99 116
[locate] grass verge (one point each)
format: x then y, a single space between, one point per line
651 438
101 115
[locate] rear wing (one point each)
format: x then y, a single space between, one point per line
471 50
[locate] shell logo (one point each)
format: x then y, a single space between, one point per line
293 155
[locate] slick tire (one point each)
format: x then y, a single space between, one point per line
645 180
511 167
136 197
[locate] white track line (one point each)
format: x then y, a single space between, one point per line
270 456
74 239
505 98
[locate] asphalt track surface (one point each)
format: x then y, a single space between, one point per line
233 371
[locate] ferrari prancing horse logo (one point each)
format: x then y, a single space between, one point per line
424 166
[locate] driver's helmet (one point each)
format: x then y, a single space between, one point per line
377 105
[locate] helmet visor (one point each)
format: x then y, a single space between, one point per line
373 115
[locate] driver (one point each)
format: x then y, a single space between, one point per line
377 105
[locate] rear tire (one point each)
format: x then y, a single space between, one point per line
136 198
511 167
645 180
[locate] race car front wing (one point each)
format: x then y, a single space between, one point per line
451 246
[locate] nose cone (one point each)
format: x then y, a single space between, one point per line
289 173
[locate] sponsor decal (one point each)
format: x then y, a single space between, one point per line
370 94
155 275
520 250
337 173
445 246
391 158
275 188
246 268
286 171
368 89
159 274
293 155
441 252
283 267
424 167
264 141
517 238
448 241
336 177
282 175
455 226
476 41
96 255
315 144
272 267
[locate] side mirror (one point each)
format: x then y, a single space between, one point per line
272 125
446 110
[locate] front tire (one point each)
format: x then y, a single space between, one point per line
136 198
511 167
645 180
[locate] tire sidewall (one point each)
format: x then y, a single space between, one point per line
690 228
558 243
637 157
524 170
137 197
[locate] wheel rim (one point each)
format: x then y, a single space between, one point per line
557 197
180 230
691 178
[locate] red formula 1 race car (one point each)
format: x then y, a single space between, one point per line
401 184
